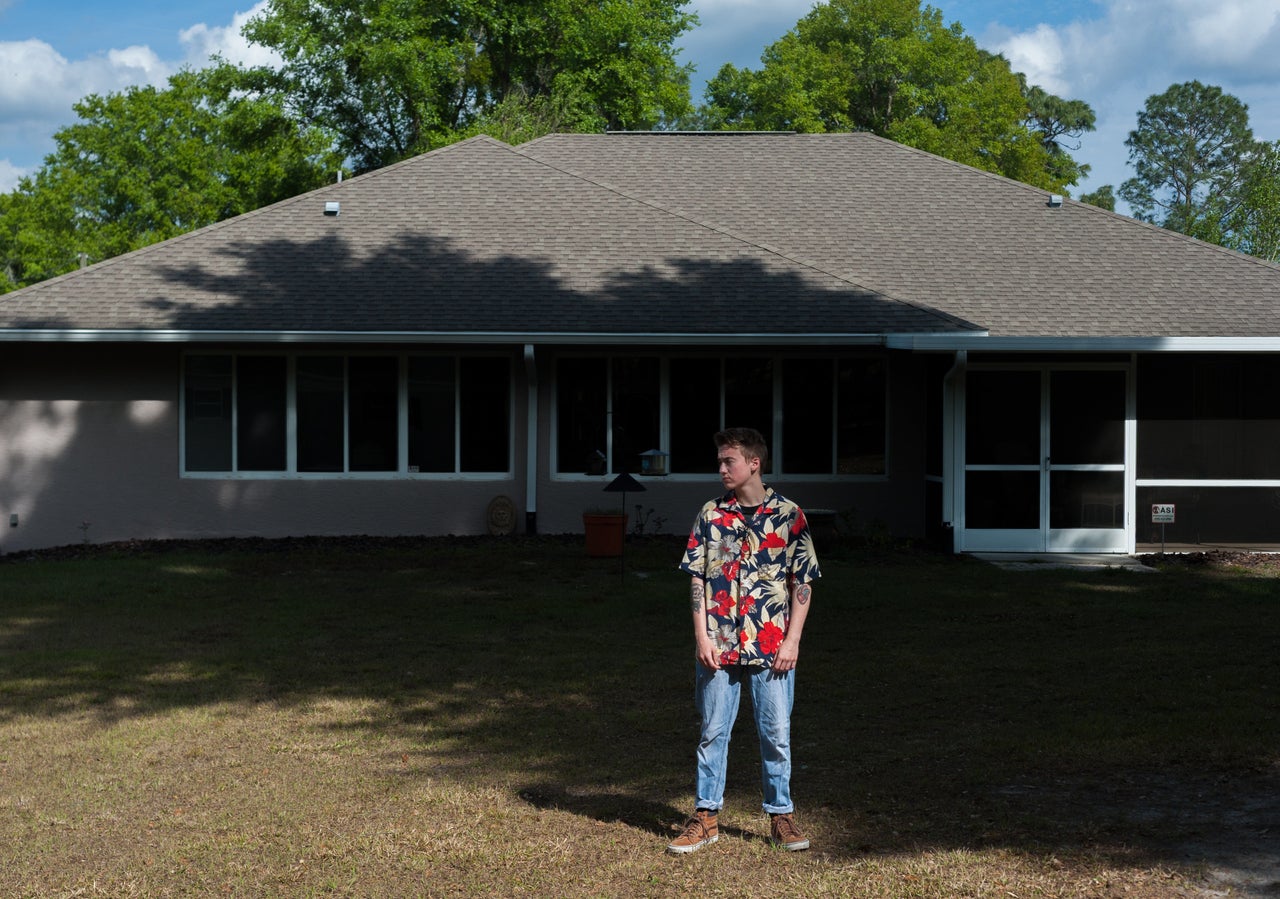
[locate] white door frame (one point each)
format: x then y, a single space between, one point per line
1042 539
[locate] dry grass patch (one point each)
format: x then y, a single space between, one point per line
466 718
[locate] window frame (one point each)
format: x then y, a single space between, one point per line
402 471
777 360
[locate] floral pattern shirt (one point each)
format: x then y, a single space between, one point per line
750 563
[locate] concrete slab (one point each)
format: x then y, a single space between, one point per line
1077 561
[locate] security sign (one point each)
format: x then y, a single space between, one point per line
1162 513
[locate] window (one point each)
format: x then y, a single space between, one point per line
582 412
373 413
207 422
609 412
832 411
349 414
321 413
484 414
432 403
1208 417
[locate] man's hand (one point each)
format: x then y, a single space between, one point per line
789 651
788 654
705 653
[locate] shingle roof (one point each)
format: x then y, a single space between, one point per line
476 237
666 235
920 228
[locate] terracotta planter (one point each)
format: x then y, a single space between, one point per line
605 532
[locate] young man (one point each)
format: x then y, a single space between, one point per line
752 562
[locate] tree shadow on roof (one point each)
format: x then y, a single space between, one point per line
423 286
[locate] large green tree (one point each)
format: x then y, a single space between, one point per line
391 78
148 164
1059 124
1253 225
1188 153
894 68
1104 198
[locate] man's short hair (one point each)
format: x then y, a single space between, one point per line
749 440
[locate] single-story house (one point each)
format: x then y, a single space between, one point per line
484 336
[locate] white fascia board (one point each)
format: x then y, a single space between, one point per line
985 343
52 335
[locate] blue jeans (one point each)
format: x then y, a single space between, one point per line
716 694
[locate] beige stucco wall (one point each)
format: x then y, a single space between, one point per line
89 434
89 451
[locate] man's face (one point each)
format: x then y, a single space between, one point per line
735 468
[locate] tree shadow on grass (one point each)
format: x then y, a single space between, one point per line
1095 716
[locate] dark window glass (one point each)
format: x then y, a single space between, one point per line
373 433
695 414
581 386
1086 417
207 413
261 412
1002 499
485 420
636 410
321 420
860 416
1002 418
432 397
808 408
1086 499
748 397
1209 417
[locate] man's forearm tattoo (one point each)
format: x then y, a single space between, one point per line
803 593
696 593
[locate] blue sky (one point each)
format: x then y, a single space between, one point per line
1111 53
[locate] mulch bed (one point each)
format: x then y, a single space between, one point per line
1219 559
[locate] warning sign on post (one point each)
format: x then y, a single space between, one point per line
1162 513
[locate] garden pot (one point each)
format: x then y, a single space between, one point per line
605 532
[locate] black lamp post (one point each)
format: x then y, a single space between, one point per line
624 484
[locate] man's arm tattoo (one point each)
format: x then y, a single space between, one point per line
696 593
803 593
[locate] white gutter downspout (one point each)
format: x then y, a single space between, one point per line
531 443
950 445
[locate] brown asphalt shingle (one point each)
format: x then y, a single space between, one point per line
475 237
671 234
922 229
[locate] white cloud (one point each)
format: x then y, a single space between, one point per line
38 81
1038 54
1136 48
203 41
10 174
39 86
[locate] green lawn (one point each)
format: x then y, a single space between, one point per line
485 717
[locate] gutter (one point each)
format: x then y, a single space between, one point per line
976 341
982 342
527 338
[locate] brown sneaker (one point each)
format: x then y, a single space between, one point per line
785 835
700 831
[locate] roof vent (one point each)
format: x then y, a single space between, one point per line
1055 200
332 207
